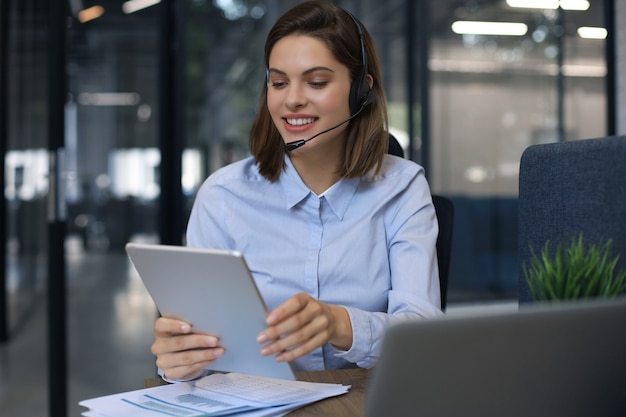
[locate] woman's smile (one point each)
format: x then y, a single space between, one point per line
298 124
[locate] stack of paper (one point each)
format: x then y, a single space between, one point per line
214 395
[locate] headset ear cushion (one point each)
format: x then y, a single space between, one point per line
368 96
360 96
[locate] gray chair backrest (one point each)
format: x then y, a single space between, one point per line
570 188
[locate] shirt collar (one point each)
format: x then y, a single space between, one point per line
295 190
338 196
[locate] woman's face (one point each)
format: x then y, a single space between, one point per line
308 90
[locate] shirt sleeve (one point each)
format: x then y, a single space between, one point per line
207 225
414 289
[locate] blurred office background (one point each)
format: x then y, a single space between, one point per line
158 94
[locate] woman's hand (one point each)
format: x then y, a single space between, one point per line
302 324
180 353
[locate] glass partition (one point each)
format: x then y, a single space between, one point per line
112 138
493 95
26 159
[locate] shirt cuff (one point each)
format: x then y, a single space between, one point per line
204 372
362 340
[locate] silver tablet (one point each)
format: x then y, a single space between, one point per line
212 290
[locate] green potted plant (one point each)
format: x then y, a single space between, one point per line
573 271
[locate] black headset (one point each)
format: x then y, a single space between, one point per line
360 91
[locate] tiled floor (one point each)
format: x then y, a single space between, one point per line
110 319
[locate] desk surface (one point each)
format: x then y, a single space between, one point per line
347 405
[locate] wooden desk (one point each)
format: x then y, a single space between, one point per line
346 405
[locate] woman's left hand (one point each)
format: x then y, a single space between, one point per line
301 324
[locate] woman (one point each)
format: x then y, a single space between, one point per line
340 237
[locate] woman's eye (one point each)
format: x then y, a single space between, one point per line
278 84
318 84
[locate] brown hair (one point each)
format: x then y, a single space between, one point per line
366 134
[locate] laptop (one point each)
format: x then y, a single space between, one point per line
214 291
544 361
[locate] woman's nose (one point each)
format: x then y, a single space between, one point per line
295 97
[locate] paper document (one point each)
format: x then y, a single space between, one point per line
214 395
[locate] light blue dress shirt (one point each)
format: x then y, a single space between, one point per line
367 244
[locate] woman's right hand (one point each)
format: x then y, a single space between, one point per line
180 353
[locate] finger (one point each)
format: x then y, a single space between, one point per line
302 349
181 343
292 324
303 310
189 365
312 311
290 307
295 326
318 328
198 358
165 326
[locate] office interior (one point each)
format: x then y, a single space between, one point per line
113 112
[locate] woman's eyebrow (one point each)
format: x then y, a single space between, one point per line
308 71
315 69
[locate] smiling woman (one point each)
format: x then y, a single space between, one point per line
344 234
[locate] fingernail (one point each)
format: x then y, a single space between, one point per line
265 351
184 327
261 338
219 352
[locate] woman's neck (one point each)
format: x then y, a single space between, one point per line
318 171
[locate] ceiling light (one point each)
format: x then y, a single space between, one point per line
109 99
534 4
131 6
588 32
572 70
550 4
90 13
574 4
489 28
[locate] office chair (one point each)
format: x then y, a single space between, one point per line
570 188
444 208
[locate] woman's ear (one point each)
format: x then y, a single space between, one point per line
369 80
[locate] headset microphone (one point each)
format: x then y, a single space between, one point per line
296 144
290 146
